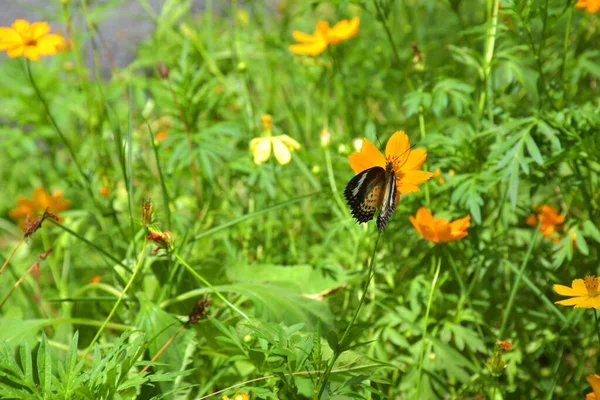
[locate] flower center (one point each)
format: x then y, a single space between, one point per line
591 284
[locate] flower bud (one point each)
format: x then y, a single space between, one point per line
242 67
325 137
163 70
146 214
267 121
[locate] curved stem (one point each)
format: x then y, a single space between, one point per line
426 323
207 283
340 348
114 309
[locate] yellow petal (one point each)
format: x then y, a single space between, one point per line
303 37
310 48
594 381
21 26
579 285
15 52
261 149
39 29
573 301
344 29
282 153
368 157
398 146
289 142
49 44
32 53
9 38
403 188
567 291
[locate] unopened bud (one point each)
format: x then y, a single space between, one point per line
146 214
325 137
342 149
267 121
242 67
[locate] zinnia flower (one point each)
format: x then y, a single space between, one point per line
439 230
583 293
239 396
323 36
282 145
550 219
32 41
590 6
594 381
29 209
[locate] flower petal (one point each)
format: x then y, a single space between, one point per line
398 146
416 177
404 188
303 37
368 157
9 38
39 29
32 53
310 49
461 224
415 160
579 285
15 52
289 142
573 301
282 153
443 229
49 44
414 223
594 381
21 26
424 216
261 149
567 291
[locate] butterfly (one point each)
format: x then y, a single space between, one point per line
372 189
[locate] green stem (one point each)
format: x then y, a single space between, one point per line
207 283
426 323
114 309
490 42
597 326
566 43
332 184
340 348
515 287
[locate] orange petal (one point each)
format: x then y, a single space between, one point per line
459 235
415 159
414 223
461 224
429 234
416 177
403 188
309 49
594 381
368 157
398 146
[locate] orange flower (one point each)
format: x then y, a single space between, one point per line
590 6
95 279
550 219
162 135
594 381
323 36
503 345
405 162
32 41
439 230
104 191
29 209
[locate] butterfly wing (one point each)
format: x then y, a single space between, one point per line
389 200
363 193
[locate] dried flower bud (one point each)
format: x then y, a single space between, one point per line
164 240
267 121
163 70
147 211
199 310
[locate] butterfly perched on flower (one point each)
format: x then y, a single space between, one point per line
380 179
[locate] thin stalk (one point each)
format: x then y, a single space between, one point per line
12 253
515 287
597 326
162 349
137 269
332 184
163 186
207 283
426 323
337 352
490 42
566 43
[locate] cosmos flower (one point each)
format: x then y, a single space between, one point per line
439 230
42 200
238 396
594 381
323 36
282 145
583 292
590 6
29 40
551 220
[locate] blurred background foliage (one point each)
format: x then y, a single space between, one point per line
510 120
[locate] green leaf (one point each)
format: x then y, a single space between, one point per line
44 364
589 229
332 340
533 150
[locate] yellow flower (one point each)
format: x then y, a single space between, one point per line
439 230
404 161
590 6
323 36
32 41
583 293
239 396
594 381
282 145
41 201
550 219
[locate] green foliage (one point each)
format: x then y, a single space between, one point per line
306 304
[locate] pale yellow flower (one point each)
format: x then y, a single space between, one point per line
282 145
238 396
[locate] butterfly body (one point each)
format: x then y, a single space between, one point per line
370 190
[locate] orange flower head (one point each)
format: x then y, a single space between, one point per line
29 40
42 200
323 36
95 279
551 220
380 179
439 230
594 381
590 6
503 345
584 293
104 191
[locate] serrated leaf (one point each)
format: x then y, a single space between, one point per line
44 365
589 229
